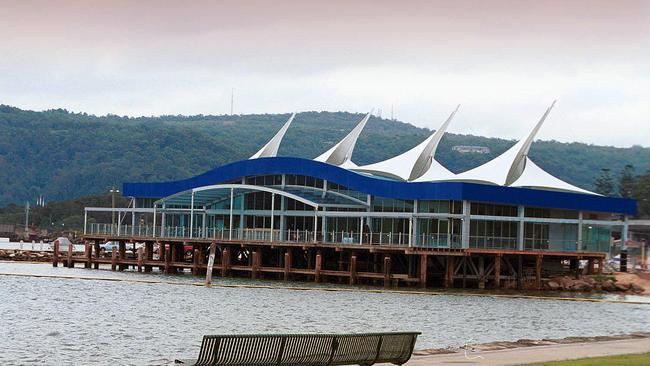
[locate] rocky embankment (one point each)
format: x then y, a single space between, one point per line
626 283
26 255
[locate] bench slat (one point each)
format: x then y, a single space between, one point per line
307 349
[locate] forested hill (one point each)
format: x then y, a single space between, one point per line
63 155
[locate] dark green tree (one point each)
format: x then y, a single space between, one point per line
605 183
626 181
641 193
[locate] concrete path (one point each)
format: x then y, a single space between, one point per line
519 356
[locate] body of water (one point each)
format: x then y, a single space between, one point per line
92 322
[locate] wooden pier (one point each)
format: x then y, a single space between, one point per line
363 264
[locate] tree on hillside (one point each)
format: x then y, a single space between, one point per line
641 192
626 181
605 183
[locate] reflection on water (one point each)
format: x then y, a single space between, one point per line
50 321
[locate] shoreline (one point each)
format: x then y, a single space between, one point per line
524 352
526 343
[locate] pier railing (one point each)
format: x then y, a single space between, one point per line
432 240
291 235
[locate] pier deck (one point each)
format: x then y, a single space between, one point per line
387 265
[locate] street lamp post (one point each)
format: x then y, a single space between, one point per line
113 190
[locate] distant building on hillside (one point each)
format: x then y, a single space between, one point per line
465 149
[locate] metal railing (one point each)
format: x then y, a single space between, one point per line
492 242
432 240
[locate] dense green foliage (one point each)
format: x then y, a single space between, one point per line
604 183
64 155
61 215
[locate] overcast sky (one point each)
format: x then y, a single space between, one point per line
503 61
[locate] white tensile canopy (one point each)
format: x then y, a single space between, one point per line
536 177
514 168
416 163
271 148
341 153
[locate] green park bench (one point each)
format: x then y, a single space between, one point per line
363 349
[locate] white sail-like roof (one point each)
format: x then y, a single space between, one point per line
341 153
505 168
416 162
536 177
514 168
271 148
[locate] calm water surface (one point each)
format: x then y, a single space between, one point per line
70 321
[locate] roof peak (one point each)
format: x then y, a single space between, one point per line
341 153
271 147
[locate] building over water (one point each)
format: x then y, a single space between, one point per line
508 212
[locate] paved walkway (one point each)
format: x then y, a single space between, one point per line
519 356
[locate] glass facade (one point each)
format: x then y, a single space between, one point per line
344 215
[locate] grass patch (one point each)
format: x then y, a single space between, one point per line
622 360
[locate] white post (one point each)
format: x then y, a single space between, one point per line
133 221
465 225
205 224
154 221
413 226
85 220
361 230
410 241
119 222
192 215
520 232
232 200
272 213
163 221
315 223
579 243
624 233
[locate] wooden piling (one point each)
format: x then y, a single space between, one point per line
122 255
97 253
195 262
287 264
353 269
168 260
387 276
497 271
423 270
255 263
114 259
55 258
590 266
225 261
208 272
148 255
140 259
318 266
481 272
70 260
88 251
173 255
449 274
520 272
538 272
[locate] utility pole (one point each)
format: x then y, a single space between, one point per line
232 101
